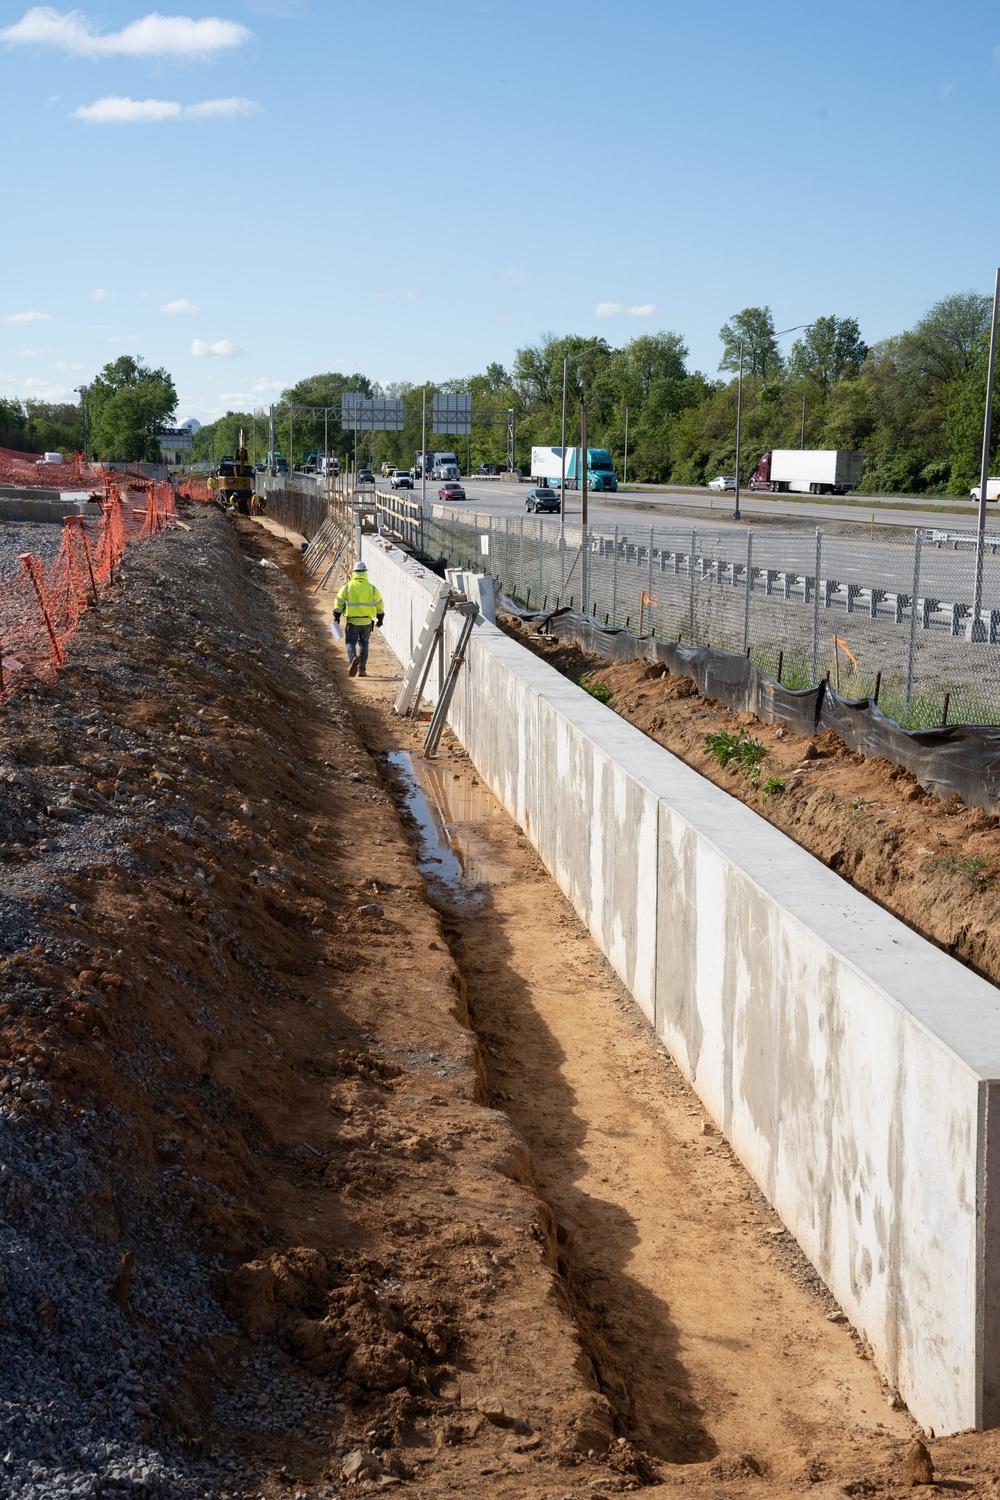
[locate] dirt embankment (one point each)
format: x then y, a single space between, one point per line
258 1215
934 864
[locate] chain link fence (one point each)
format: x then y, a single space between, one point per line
885 615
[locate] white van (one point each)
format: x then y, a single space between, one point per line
992 490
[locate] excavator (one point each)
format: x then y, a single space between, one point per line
236 478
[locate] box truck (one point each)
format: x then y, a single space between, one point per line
546 468
808 471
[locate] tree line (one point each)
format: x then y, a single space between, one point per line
913 403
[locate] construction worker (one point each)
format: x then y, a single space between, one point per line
360 601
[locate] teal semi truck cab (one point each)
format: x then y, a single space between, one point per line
546 468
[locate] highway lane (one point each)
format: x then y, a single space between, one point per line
884 561
657 507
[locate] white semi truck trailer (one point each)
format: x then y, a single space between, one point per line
809 471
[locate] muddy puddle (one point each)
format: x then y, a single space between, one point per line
449 809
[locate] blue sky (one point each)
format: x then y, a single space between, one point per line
415 190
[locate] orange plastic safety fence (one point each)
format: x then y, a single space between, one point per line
72 472
40 606
195 489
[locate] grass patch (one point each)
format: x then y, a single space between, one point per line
598 690
739 750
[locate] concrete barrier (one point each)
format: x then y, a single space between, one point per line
39 505
854 1067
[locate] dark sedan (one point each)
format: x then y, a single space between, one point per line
451 491
541 499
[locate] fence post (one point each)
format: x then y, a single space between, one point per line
541 564
913 620
506 554
614 583
520 562
746 597
649 590
819 554
29 567
691 639
453 538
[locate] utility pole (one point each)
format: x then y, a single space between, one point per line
803 441
976 630
739 418
583 461
562 480
81 391
423 449
625 463
270 440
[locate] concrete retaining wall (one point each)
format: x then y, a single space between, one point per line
854 1067
39 505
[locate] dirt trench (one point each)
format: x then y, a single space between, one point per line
726 1359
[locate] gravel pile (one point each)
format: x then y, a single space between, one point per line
43 538
106 1299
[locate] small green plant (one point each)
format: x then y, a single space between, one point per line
857 804
771 786
598 690
970 869
738 749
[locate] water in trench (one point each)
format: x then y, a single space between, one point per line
447 806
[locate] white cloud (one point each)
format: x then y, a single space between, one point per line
182 305
45 390
28 317
512 274
34 353
221 349
67 364
99 294
619 310
118 109
267 385
221 109
152 36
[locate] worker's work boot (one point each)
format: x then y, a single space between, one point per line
352 670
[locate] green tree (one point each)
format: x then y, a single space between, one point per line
126 405
754 329
830 350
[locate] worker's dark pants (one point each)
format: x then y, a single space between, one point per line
357 637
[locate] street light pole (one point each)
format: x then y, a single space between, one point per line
81 391
976 630
802 441
739 412
625 460
562 451
423 450
739 419
562 482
